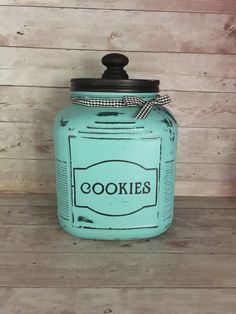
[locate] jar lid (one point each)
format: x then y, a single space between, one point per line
115 79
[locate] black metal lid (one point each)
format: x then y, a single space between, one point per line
114 79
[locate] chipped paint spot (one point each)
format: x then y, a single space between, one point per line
85 219
20 33
168 122
167 226
173 136
169 129
63 122
102 114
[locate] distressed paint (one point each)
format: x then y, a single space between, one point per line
115 174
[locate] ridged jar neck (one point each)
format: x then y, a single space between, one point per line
108 95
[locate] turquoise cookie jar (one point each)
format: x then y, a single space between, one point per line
115 173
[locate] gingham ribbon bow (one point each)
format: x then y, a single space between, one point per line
146 105
130 101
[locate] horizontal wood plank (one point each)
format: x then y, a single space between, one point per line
206 172
197 145
117 270
117 301
153 31
210 188
31 199
26 140
209 6
206 145
179 240
35 104
184 217
46 199
24 175
37 176
28 215
35 229
177 71
192 109
193 202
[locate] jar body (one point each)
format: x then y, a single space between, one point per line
115 174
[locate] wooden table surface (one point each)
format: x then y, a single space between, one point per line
190 269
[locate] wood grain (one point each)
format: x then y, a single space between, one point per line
46 199
198 188
206 172
180 201
192 109
35 104
30 141
25 175
32 199
194 231
138 278
34 228
29 215
206 145
177 71
37 176
116 270
117 301
153 31
209 6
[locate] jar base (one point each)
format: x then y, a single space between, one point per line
114 235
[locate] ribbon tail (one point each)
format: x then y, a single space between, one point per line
163 100
159 101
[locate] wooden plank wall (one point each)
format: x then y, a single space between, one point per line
188 45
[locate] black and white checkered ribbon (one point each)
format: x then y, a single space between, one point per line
126 101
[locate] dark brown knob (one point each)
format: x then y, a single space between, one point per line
115 63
